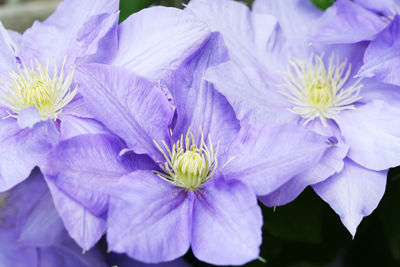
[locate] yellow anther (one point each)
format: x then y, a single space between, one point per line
317 91
187 165
35 87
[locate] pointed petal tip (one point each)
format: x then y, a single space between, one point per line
351 223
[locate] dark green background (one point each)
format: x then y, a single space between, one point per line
307 232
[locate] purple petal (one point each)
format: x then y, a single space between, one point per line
331 163
198 104
130 106
250 38
23 149
72 126
97 39
375 90
56 36
249 93
267 157
84 167
387 7
29 210
373 133
28 117
296 17
77 107
382 57
149 219
69 255
84 227
42 226
79 172
353 193
227 223
347 22
12 253
8 48
159 49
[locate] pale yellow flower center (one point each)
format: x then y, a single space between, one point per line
319 92
33 86
395 11
187 165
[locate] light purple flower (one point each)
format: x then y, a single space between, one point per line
40 103
78 32
194 163
32 233
38 96
374 21
153 48
278 76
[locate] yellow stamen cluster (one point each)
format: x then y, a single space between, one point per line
394 11
35 87
187 165
317 91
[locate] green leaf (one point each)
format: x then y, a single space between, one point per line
323 4
128 7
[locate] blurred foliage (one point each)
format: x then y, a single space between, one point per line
324 4
307 232
128 7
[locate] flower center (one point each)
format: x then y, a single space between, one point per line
394 11
35 87
320 92
187 165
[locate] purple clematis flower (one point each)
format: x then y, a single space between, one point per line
42 105
32 233
189 155
375 21
39 100
276 75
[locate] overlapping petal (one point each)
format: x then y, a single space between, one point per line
248 36
296 17
9 42
373 133
198 104
149 219
23 149
249 92
226 223
154 48
382 57
129 105
330 163
347 22
387 7
267 157
84 227
62 28
79 172
353 193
